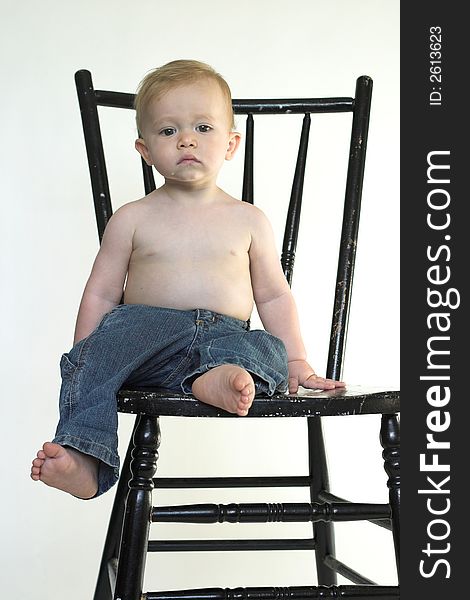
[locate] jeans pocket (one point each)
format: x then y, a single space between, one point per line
66 366
67 391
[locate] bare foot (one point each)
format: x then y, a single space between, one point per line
66 469
227 386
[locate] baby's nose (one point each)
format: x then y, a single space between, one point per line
186 140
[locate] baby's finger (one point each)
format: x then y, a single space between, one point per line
319 383
293 385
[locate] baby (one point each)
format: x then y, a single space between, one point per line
191 262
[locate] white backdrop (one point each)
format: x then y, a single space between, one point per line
51 543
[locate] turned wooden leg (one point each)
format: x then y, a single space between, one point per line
106 580
390 441
134 541
323 532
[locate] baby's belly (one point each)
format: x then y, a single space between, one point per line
232 296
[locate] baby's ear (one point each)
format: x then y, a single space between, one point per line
234 142
142 149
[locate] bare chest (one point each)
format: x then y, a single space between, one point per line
213 239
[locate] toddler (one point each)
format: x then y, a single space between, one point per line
191 262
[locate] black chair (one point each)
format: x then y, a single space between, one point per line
125 552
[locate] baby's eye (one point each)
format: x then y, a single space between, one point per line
203 128
167 131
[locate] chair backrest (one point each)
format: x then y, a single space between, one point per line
359 106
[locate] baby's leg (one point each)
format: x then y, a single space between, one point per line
66 469
227 386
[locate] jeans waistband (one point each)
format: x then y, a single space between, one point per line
209 316
197 314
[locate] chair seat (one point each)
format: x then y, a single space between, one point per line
353 400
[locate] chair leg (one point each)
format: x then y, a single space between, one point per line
323 532
135 533
104 589
390 441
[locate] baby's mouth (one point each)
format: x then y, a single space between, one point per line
188 159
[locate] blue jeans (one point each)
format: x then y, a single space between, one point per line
141 345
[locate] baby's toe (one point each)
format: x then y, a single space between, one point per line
244 404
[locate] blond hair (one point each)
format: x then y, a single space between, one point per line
171 75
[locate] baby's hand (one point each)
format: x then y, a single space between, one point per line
301 373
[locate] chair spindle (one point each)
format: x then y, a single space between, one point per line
280 593
270 512
94 148
247 192
291 231
350 227
149 181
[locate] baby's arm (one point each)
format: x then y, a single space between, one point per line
276 306
105 285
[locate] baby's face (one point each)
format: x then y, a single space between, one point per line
187 134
